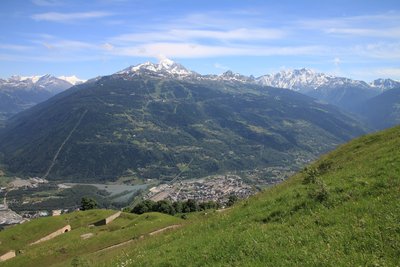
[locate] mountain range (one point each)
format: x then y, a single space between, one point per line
162 120
347 94
343 92
304 80
300 80
18 92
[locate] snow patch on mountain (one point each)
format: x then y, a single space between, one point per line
385 84
165 68
304 80
46 82
33 79
71 79
230 76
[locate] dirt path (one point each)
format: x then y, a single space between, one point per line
62 145
165 229
223 210
115 246
140 237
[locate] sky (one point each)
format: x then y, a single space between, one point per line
352 38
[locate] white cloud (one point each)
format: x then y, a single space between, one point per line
47 2
15 47
220 66
48 58
107 46
243 34
388 72
68 45
388 18
48 46
69 17
383 25
370 32
382 50
194 50
226 34
235 34
336 61
375 73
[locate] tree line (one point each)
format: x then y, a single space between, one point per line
172 208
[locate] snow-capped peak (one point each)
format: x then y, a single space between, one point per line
45 82
165 67
305 80
385 84
233 76
166 63
17 78
71 79
34 79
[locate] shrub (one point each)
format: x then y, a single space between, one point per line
319 192
310 175
231 200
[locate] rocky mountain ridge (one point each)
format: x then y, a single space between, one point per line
302 80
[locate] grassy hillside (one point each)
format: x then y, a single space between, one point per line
21 236
343 210
81 240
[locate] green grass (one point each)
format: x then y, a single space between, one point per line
64 248
343 211
20 236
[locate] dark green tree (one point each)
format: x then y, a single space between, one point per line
88 203
165 206
191 206
231 200
209 205
178 206
144 206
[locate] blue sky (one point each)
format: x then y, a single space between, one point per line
356 39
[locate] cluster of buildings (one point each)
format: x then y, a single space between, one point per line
268 175
215 188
